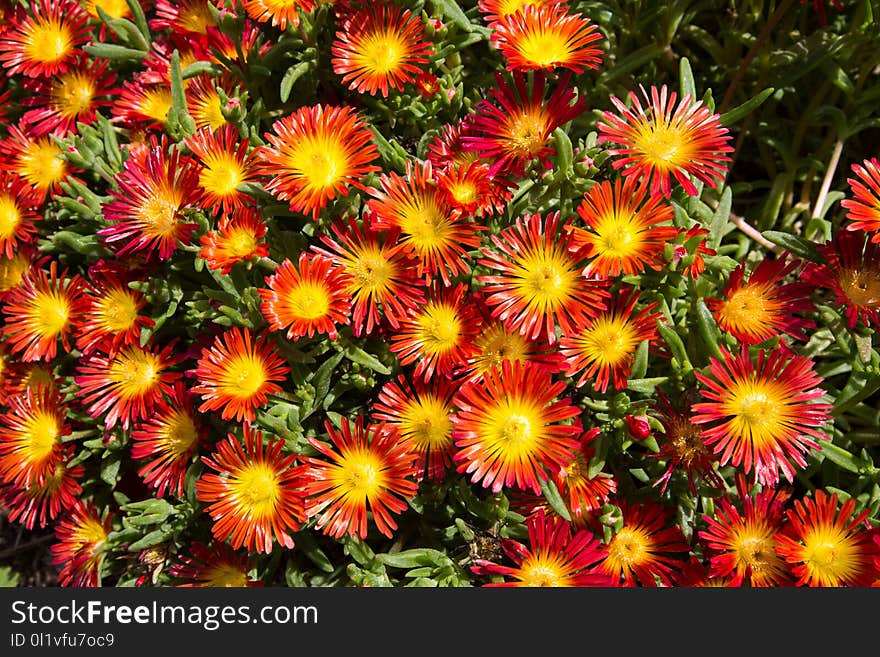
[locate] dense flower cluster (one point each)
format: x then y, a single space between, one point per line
278 278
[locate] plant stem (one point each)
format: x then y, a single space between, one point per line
826 181
753 232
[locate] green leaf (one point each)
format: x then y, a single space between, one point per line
739 112
140 19
306 544
153 538
554 499
797 245
720 218
686 79
564 152
640 361
676 345
632 61
8 578
392 153
455 14
114 52
646 386
293 74
414 558
841 457
357 355
707 328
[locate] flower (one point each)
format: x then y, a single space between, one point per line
37 504
81 547
279 13
380 47
547 36
438 337
41 311
214 565
380 273
168 439
642 552
366 467
316 152
691 251
625 237
761 413
556 555
852 274
126 384
585 494
536 283
111 317
742 546
237 373
14 269
37 160
828 544
422 414
517 130
44 38
254 493
226 164
604 349
764 306
431 232
190 18
141 105
18 203
497 10
664 140
34 425
238 238
147 210
306 299
863 208
511 430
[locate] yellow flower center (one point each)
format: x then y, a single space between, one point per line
514 427
91 534
41 165
320 159
749 309
830 556
179 434
256 489
464 192
116 311
861 287
41 431
225 576
544 47
360 476
47 42
245 376
545 280
542 571
10 217
618 235
308 300
426 422
208 110
221 175
628 548
114 8
439 328
240 242
528 131
196 17
134 372
663 146
381 52
609 341
159 212
371 271
50 314
11 270
497 345
423 223
72 93
155 103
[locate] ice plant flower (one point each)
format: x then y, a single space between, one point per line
765 305
44 38
547 36
496 10
557 555
535 285
307 298
147 210
38 504
422 413
167 441
41 312
646 548
512 430
239 237
18 203
741 545
254 492
863 206
191 18
380 47
515 130
37 160
81 547
125 385
226 164
496 343
691 251
111 317
828 544
237 373
603 349
315 154
13 270
584 494
279 13
215 565
438 337
140 105
851 274
761 414
664 140
30 441
431 232
625 235
381 274
365 468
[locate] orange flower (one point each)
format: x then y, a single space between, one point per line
585 494
664 140
239 237
254 492
432 233
536 284
190 18
306 299
624 235
379 47
216 565
126 384
44 38
497 10
365 468
863 208
81 546
226 164
604 348
279 13
547 36
315 154
111 314
141 105
38 504
41 311
17 216
237 373
37 160
511 431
